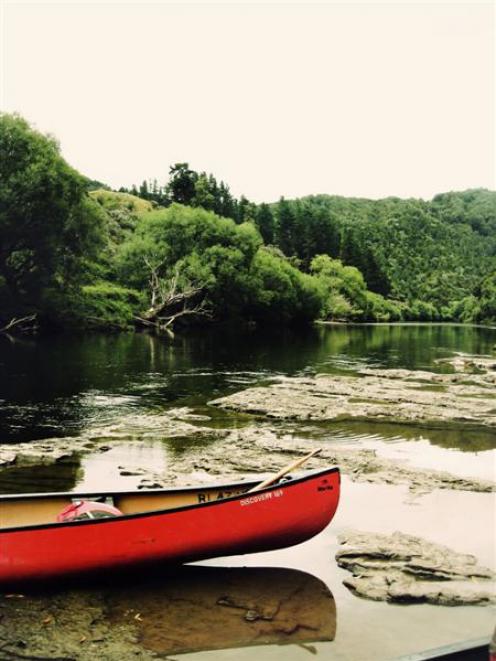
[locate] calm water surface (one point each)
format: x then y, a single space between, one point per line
63 385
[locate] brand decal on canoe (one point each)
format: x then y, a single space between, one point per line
216 495
260 497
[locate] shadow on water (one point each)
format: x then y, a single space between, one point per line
62 475
196 608
206 608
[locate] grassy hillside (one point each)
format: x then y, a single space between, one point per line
122 211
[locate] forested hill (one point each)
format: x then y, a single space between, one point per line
409 250
74 253
430 259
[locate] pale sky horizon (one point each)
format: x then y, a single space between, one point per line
358 99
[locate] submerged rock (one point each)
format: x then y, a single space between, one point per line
142 427
470 364
261 448
404 568
409 397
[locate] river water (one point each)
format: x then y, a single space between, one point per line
60 386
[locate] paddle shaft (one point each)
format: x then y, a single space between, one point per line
284 471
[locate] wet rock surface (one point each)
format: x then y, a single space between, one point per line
175 423
409 397
404 568
470 364
222 454
263 449
68 626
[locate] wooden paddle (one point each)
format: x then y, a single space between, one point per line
284 471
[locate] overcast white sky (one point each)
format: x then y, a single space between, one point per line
277 99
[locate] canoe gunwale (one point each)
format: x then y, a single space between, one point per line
310 475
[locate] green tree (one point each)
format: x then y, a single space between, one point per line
143 191
181 186
265 223
205 190
237 276
226 204
487 298
246 210
49 228
285 232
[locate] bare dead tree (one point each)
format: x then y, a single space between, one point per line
171 300
28 324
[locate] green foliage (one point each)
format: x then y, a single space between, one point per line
101 305
344 287
475 207
94 184
382 309
113 201
240 278
422 311
286 228
346 295
427 255
182 183
66 252
487 299
122 213
205 249
177 231
265 223
280 292
49 228
107 305
188 187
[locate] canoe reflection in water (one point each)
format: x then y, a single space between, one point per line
201 608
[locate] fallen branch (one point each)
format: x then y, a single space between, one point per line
26 324
171 300
165 323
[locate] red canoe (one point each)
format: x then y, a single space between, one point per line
168 525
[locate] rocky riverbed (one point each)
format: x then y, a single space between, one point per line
288 418
402 396
407 569
174 423
262 448
233 454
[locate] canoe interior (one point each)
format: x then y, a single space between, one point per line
38 509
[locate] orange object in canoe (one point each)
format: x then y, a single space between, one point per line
167 525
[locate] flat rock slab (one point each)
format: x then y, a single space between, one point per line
407 397
404 568
263 449
470 364
175 423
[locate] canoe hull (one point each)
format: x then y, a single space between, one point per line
276 517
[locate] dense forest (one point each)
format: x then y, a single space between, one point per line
74 253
